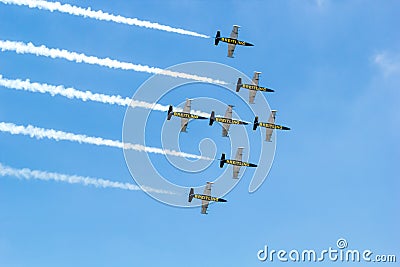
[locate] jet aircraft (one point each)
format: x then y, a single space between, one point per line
253 88
237 162
205 198
185 115
270 125
226 121
232 40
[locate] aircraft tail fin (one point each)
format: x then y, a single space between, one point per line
169 113
217 38
255 124
222 160
238 84
191 194
212 118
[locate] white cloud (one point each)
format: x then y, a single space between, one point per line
321 3
29 174
29 48
41 133
71 93
98 15
389 63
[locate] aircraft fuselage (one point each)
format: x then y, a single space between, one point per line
188 115
239 163
272 126
256 88
229 121
234 41
208 198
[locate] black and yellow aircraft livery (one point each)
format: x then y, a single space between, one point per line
270 125
237 162
253 88
205 198
185 115
226 121
232 40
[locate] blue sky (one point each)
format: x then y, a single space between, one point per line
335 66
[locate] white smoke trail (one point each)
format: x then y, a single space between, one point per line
23 48
40 133
28 174
98 15
71 93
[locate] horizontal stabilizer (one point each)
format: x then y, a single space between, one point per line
238 84
255 124
222 160
191 194
217 38
169 113
212 118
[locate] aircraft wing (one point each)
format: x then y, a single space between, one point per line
236 170
204 203
228 113
225 129
234 35
235 32
231 49
184 124
271 119
226 126
204 207
256 77
187 107
239 154
252 95
185 121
